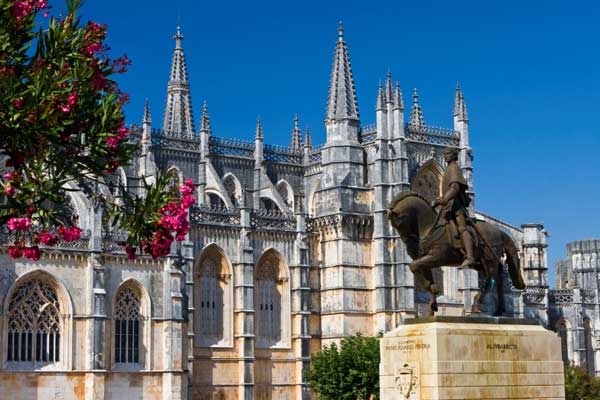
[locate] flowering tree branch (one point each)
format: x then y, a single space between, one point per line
62 126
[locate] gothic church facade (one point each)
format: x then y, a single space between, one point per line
289 250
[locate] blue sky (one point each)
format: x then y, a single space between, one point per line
529 71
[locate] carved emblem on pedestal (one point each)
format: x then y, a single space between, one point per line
406 381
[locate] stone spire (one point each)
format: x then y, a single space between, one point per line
457 96
258 134
178 120
308 140
205 120
147 117
398 102
389 88
296 144
380 98
341 104
416 114
462 110
146 141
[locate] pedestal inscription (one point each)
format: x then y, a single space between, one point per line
453 358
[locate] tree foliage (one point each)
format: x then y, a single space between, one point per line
580 385
347 372
62 129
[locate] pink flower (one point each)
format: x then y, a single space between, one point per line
112 142
189 183
185 190
9 176
92 48
48 238
15 251
98 81
65 108
187 201
95 27
18 103
130 252
69 234
19 224
9 190
32 253
72 99
122 133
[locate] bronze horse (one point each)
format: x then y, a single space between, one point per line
429 242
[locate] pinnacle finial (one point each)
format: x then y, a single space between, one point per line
178 37
457 99
380 98
341 103
398 102
307 141
259 129
205 120
416 114
178 119
147 117
462 114
389 93
296 144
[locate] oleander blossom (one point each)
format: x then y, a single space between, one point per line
19 224
172 224
15 251
32 253
48 239
69 234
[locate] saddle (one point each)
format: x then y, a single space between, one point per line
454 238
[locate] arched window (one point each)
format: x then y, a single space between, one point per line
428 180
271 301
233 188
128 325
213 299
287 194
268 204
34 324
590 352
214 200
563 332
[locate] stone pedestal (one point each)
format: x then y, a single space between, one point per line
470 358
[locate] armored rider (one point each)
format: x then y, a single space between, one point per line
454 202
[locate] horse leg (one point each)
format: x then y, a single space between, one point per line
433 291
424 265
500 289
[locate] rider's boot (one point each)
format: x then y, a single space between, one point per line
468 243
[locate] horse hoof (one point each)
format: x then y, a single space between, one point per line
434 307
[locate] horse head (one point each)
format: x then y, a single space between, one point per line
411 215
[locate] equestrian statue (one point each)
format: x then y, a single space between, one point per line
451 238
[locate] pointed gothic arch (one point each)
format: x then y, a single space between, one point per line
215 199
131 341
178 173
563 328
286 192
233 187
213 298
272 301
428 180
589 342
38 324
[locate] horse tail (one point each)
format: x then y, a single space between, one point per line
514 264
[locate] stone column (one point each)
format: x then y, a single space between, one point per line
244 308
299 270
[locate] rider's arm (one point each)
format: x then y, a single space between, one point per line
452 192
